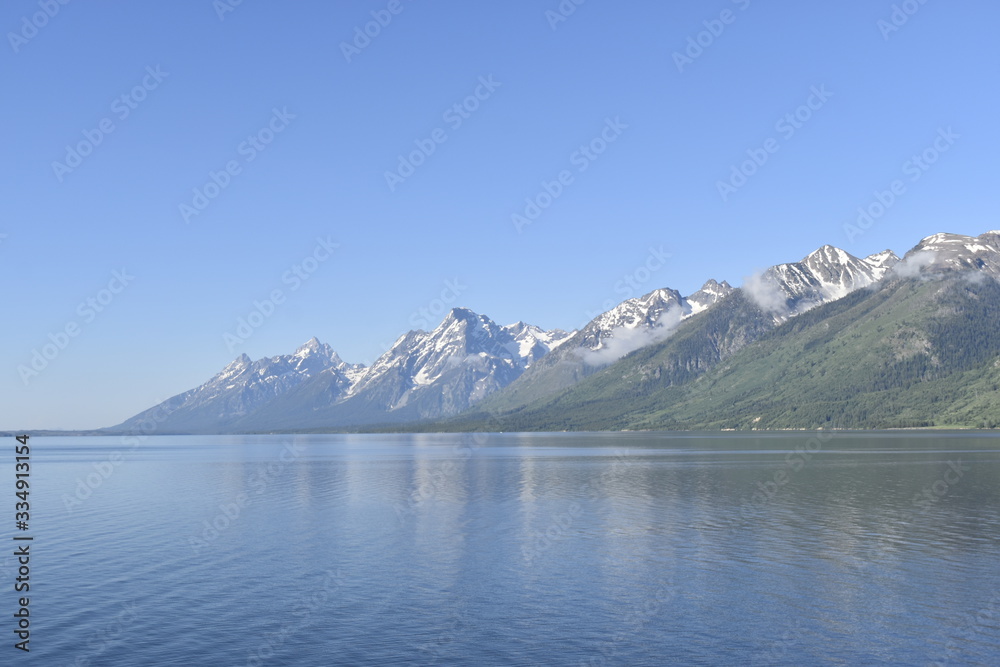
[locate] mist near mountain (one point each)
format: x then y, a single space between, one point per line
655 349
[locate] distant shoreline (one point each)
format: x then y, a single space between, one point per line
84 433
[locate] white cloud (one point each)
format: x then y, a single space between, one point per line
625 340
912 266
975 277
766 293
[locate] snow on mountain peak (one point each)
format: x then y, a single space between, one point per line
466 349
712 285
631 313
534 342
236 366
944 239
461 315
828 254
952 252
709 294
468 356
245 385
312 346
885 259
826 274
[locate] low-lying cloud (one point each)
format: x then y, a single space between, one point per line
766 293
625 340
913 266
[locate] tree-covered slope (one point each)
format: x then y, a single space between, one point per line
603 399
912 352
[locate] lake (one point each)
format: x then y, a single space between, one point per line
510 549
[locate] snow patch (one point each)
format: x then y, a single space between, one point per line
629 338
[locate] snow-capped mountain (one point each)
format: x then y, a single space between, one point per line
953 252
919 348
642 312
824 275
533 342
425 374
710 294
244 386
632 324
883 260
659 309
469 358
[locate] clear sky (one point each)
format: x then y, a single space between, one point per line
116 116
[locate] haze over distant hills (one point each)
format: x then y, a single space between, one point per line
831 339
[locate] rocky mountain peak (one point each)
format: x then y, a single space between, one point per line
953 252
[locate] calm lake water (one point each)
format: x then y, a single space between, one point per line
558 549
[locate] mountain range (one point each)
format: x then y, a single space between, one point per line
870 342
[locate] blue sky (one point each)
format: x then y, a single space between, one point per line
189 89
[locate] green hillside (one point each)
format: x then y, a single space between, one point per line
912 353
